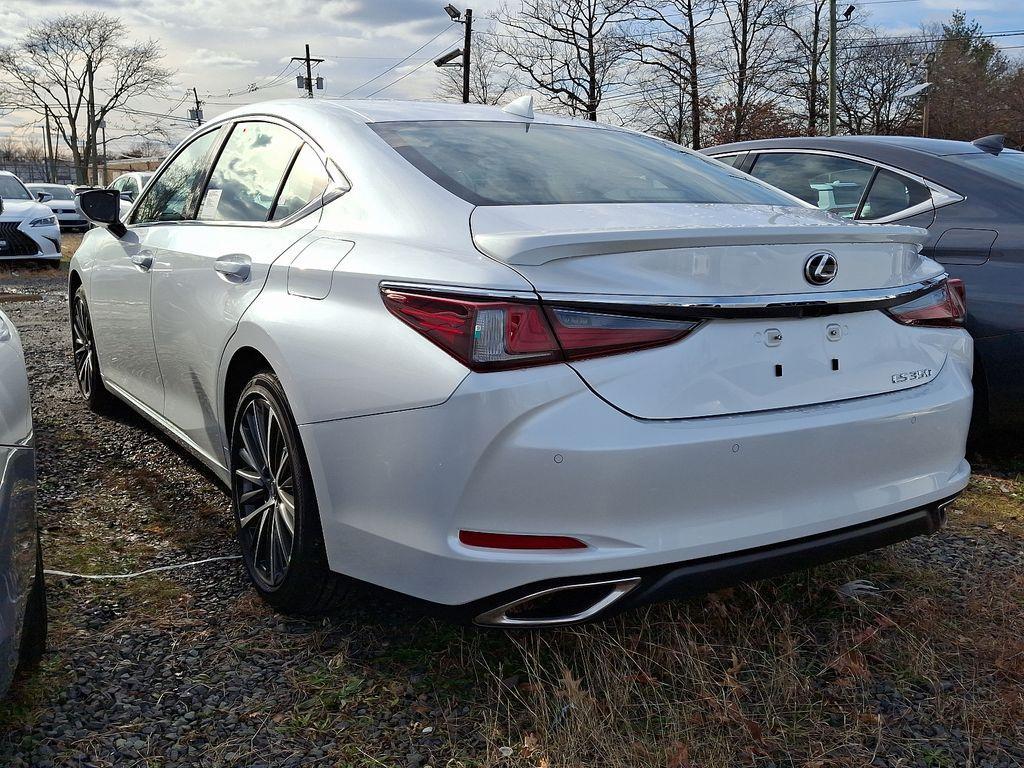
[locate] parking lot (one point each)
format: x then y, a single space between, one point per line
188 667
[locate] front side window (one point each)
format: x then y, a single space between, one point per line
306 181
249 172
514 163
172 196
12 189
831 183
890 194
130 186
731 160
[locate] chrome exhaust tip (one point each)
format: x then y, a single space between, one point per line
568 604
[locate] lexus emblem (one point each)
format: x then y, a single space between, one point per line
821 268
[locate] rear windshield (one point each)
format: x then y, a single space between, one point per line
513 163
1007 165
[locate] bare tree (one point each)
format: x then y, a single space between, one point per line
491 81
77 68
874 72
572 50
752 57
806 78
673 96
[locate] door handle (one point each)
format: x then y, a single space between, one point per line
143 260
235 266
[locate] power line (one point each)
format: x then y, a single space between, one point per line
396 65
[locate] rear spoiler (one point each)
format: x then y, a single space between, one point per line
533 249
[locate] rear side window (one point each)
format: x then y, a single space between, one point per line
831 183
248 174
306 182
172 196
890 194
518 163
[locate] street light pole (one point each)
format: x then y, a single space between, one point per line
465 55
832 26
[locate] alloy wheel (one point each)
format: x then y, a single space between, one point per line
263 483
82 347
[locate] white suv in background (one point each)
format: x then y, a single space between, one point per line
28 228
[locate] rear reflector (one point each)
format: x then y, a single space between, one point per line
944 307
518 541
492 334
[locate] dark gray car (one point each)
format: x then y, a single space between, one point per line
970 198
22 590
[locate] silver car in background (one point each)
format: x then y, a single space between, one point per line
22 590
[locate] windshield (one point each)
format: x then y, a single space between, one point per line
1007 165
512 163
12 189
58 191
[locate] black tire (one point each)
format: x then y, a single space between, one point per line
84 360
33 633
269 474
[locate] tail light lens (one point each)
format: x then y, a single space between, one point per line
944 307
488 335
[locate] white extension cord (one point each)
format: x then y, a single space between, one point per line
139 573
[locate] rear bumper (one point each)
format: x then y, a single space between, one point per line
697 577
536 452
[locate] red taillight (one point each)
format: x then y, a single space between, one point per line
589 334
518 541
946 306
487 334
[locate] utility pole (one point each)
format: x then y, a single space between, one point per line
466 46
198 114
928 59
832 67
307 82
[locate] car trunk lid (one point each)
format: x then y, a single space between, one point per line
770 337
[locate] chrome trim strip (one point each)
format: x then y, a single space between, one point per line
941 196
496 617
700 306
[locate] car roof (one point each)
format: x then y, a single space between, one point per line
392 110
935 147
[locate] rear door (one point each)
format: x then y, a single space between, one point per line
260 199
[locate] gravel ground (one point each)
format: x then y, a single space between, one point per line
188 668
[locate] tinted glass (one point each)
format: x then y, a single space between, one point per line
12 189
891 193
248 173
130 185
172 196
513 163
831 183
306 181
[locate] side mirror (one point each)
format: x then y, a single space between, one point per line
103 207
44 197
127 197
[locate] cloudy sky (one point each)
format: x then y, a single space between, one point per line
223 47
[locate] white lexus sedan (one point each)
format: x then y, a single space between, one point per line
28 228
528 369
